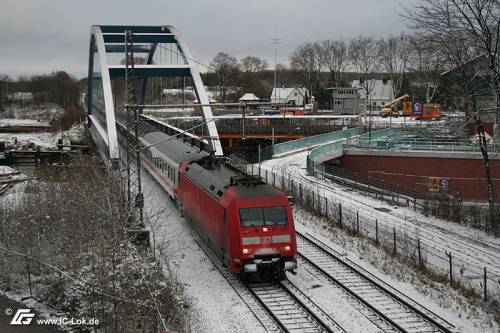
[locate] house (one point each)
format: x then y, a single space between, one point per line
380 92
291 96
249 97
20 97
347 101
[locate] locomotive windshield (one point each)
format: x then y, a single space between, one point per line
252 217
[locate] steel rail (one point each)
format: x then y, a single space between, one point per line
425 316
259 291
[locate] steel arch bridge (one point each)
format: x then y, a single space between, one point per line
162 59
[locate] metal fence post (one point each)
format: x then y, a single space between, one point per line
376 231
357 221
394 238
419 253
300 190
340 213
326 206
485 282
313 197
319 203
274 179
451 266
29 274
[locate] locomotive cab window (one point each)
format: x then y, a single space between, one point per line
252 217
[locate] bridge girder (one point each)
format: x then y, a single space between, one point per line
107 42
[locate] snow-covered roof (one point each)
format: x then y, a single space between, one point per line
382 89
249 97
284 93
20 96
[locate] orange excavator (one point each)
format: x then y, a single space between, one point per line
392 108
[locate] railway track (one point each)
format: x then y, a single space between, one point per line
292 309
279 307
267 321
477 255
384 306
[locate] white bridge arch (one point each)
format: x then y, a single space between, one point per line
106 72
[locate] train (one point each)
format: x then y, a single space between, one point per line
247 222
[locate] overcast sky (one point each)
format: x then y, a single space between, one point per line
39 36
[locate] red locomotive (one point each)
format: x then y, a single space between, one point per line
248 223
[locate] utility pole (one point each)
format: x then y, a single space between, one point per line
275 41
133 111
128 99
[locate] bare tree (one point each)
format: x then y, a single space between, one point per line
306 60
465 30
334 56
253 64
395 53
224 66
364 57
426 64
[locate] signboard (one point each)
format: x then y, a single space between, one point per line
444 185
433 184
438 184
417 108
407 108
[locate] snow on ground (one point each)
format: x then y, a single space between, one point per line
474 248
43 112
42 139
440 299
5 170
215 307
77 133
332 300
14 122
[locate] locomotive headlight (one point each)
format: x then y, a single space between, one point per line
246 251
265 229
287 248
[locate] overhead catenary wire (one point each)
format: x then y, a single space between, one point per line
185 56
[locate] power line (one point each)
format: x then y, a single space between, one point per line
183 55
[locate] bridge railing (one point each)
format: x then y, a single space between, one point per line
314 140
370 136
332 147
416 144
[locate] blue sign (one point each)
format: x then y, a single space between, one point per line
417 108
444 185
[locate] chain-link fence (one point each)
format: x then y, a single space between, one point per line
445 265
